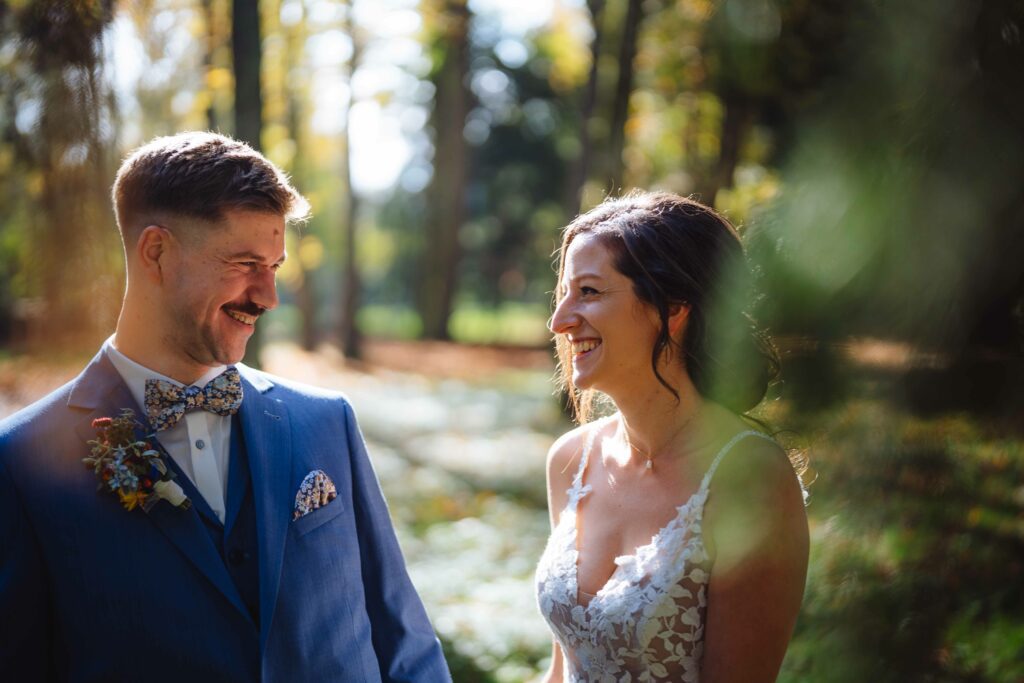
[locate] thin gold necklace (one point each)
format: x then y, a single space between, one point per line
648 464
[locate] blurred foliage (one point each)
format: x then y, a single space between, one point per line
918 540
902 213
463 668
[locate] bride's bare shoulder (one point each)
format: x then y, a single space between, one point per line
563 462
565 453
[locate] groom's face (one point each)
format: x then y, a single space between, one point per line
221 284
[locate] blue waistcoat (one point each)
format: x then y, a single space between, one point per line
235 539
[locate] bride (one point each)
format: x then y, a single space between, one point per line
679 540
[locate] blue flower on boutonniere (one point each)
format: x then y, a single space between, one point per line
131 467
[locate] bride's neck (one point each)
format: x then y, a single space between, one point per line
654 421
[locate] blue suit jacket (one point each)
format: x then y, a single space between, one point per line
92 592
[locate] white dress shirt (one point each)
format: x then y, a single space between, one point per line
201 441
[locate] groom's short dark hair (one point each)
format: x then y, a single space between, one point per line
199 175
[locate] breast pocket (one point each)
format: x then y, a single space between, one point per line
317 518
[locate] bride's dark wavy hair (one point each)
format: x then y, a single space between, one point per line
678 252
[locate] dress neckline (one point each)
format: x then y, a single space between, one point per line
579 491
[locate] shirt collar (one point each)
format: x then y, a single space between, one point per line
135 375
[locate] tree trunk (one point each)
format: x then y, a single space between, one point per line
623 90
580 166
350 285
304 291
737 117
998 309
69 148
246 51
210 38
447 193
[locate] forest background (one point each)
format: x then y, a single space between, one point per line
871 153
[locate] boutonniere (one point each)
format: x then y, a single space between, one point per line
131 467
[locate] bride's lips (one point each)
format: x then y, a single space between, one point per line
582 348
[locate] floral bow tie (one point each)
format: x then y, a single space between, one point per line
167 403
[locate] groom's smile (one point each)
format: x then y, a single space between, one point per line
245 313
241 317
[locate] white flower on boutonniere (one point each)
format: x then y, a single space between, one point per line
170 491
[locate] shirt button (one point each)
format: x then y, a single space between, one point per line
200 444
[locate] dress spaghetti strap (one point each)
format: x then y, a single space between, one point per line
725 450
578 490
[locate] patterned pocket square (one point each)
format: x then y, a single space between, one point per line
316 491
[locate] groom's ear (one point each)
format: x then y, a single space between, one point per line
152 249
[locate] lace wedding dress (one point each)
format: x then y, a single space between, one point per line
647 622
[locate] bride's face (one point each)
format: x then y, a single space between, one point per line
610 331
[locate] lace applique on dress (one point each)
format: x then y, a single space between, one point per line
647 622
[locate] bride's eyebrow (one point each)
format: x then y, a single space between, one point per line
585 276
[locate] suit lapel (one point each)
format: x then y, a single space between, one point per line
238 477
101 392
267 432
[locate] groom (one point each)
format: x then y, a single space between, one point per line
239 533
